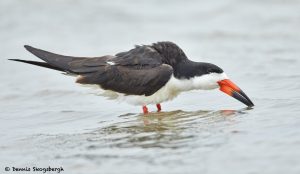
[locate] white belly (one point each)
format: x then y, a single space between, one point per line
164 94
167 92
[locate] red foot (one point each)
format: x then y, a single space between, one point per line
145 109
158 107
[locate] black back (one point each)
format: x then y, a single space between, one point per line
140 71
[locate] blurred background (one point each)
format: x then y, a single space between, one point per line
46 119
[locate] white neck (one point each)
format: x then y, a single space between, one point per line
204 82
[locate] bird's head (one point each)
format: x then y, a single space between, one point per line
212 77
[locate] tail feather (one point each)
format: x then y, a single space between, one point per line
54 60
69 64
42 64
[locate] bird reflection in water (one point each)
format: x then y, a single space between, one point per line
164 129
179 114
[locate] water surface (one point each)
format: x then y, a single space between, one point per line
46 119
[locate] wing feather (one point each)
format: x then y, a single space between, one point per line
129 80
139 71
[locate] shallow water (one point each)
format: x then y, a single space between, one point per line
46 120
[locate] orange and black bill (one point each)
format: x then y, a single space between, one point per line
234 91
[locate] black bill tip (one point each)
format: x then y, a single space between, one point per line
242 97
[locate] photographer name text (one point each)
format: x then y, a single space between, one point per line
35 169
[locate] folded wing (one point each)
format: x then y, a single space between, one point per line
139 71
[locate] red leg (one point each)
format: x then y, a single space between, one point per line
158 107
145 109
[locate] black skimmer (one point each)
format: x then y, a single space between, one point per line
146 74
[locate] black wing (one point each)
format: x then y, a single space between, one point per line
129 80
139 71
